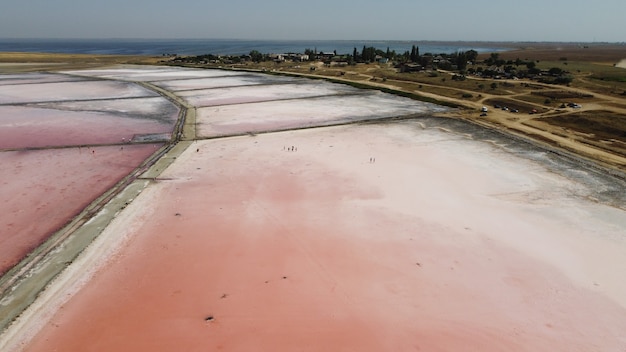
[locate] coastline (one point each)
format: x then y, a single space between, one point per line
160 47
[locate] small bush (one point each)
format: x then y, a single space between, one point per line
458 78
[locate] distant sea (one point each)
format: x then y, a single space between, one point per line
228 46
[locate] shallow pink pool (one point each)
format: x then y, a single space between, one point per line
41 190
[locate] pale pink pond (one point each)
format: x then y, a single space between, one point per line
368 238
58 91
37 78
259 93
152 73
223 82
302 113
41 190
424 234
31 127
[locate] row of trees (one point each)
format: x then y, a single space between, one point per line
495 66
366 55
370 54
523 68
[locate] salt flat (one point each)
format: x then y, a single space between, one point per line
423 233
151 73
224 81
61 149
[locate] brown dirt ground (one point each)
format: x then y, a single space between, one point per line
600 52
13 62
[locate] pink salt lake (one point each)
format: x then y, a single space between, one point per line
393 236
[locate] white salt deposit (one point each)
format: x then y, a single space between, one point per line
148 108
258 93
152 73
36 77
295 113
222 82
44 92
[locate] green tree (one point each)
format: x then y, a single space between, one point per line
256 56
471 55
564 79
369 54
555 71
491 60
461 60
406 56
415 53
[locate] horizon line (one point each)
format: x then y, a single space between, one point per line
316 40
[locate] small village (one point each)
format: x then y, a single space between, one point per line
464 63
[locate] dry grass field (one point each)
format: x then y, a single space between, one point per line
31 62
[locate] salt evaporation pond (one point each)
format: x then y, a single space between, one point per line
84 123
302 113
90 124
62 91
225 81
152 74
427 233
36 77
44 189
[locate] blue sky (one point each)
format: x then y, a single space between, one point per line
505 20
